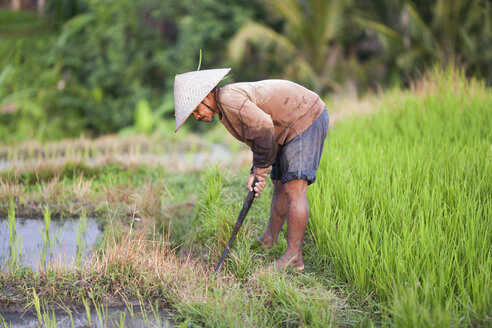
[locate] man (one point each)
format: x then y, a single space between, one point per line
283 123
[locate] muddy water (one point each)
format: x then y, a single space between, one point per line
66 242
129 317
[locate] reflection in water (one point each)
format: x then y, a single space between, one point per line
121 316
37 242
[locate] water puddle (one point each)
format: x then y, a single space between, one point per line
102 317
35 243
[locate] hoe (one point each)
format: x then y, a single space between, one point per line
240 219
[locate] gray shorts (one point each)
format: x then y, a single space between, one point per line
300 157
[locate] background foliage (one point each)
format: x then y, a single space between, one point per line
86 65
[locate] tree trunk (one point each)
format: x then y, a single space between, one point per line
16 5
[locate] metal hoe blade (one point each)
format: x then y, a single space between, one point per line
240 219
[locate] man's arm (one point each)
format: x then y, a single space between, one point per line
260 132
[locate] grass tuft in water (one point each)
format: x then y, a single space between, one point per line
15 241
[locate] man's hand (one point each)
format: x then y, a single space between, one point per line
260 174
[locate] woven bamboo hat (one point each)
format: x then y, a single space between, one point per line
191 88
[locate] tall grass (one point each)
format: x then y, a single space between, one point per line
402 207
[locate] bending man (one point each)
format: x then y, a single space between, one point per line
283 123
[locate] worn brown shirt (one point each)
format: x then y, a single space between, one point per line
267 114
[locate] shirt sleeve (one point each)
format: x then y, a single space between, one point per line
259 131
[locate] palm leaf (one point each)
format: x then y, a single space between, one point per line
262 36
378 27
291 10
4 74
73 26
419 28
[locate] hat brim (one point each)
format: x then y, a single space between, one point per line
191 88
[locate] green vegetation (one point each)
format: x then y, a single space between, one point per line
398 235
93 67
402 207
400 225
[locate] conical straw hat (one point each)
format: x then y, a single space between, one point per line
191 88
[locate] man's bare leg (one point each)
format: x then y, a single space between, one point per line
298 214
278 214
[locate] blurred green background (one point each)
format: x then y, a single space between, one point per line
92 67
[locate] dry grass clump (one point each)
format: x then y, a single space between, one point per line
148 199
10 189
150 267
341 109
434 82
120 272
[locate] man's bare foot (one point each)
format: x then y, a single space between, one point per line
288 262
266 242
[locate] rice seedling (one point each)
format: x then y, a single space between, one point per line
15 241
122 319
129 307
46 316
47 221
81 243
402 207
69 313
37 305
155 312
101 313
143 311
3 323
11 223
87 308
45 234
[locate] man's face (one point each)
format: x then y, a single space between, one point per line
203 113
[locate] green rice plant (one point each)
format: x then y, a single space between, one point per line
122 319
11 223
155 312
246 255
15 241
45 235
230 305
49 318
402 208
129 306
68 312
47 220
37 305
46 316
81 243
213 221
3 323
217 209
87 308
101 313
297 301
143 311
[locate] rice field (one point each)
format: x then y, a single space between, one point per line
400 231
402 207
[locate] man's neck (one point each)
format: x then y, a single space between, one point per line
213 102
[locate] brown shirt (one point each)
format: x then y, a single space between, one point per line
267 114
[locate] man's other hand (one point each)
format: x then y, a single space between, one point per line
260 174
